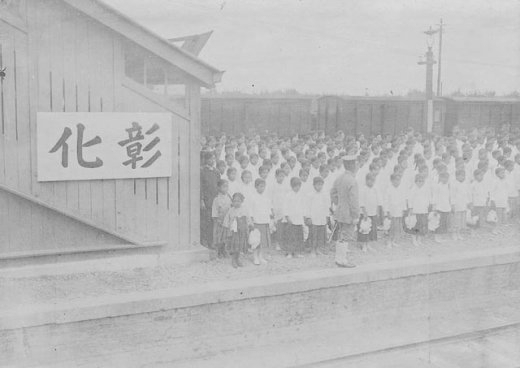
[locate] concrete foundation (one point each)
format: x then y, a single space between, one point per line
277 321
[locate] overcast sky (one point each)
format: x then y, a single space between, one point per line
344 46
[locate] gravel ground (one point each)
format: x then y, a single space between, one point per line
47 289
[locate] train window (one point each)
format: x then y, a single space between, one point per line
134 67
156 74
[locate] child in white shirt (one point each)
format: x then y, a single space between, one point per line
512 191
418 203
246 188
368 203
479 196
233 184
441 203
318 211
498 196
261 211
278 193
460 198
394 206
294 213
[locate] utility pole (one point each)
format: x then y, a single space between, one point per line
439 90
429 62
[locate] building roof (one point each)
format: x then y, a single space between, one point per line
120 23
485 99
377 98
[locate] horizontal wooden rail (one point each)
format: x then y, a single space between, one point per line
84 221
162 101
68 251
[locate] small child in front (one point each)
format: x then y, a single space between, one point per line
237 223
221 206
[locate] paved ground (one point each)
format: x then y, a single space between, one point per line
16 290
500 349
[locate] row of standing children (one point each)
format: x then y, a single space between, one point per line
409 184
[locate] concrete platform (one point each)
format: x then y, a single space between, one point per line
278 321
494 349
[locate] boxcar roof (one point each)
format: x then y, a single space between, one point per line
485 99
120 23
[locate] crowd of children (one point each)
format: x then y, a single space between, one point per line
274 192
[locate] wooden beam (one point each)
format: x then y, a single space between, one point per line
64 251
160 100
13 20
77 218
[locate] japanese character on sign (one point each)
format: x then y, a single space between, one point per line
62 143
134 147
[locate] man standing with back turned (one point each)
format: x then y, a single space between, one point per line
344 195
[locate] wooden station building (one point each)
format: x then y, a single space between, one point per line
83 56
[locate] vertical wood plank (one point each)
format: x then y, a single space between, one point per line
125 204
173 187
33 39
106 85
184 184
69 85
10 117
4 222
22 113
96 48
194 144
40 47
56 52
83 100
4 44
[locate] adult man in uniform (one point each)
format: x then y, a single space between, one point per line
209 177
344 195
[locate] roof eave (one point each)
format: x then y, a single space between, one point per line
206 74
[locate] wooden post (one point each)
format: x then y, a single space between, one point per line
193 91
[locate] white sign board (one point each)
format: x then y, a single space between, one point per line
92 145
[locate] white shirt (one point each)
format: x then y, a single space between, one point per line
260 208
395 201
512 190
247 191
233 187
318 204
441 197
294 207
479 193
278 193
419 199
516 172
369 199
498 193
460 195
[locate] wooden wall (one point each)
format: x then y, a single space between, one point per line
468 114
66 61
352 115
299 115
